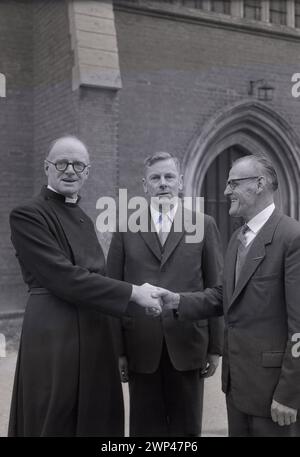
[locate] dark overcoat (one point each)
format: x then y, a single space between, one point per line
66 381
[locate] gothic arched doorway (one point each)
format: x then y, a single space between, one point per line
246 128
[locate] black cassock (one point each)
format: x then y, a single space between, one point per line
66 382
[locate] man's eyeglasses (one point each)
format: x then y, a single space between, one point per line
62 165
232 183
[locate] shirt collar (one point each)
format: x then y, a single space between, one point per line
256 223
170 214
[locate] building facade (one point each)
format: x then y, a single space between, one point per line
207 80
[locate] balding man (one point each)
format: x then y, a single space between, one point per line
66 381
261 289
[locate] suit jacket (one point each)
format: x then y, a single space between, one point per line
66 382
261 315
137 257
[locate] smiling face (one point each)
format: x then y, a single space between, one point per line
245 195
163 181
68 182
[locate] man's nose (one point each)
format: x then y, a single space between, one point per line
162 181
227 190
70 169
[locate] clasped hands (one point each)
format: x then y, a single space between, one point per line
154 299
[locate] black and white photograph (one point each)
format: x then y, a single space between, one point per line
149 220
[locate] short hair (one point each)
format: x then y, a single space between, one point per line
65 137
158 156
267 167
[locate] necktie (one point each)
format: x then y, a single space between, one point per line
241 252
162 235
242 234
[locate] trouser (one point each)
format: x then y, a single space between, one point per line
242 424
167 402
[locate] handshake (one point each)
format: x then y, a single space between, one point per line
154 299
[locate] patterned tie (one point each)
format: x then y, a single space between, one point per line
242 234
241 252
161 234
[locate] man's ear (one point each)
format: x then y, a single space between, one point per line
261 183
46 167
180 187
145 185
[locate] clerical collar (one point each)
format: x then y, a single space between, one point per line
66 199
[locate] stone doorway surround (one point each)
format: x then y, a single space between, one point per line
257 129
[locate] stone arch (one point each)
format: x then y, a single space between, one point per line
258 130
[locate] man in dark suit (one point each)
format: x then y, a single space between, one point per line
165 360
261 289
67 381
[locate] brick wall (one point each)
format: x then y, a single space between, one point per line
90 113
16 132
55 105
37 59
176 74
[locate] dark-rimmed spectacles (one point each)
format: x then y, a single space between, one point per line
62 165
232 183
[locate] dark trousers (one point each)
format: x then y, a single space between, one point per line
167 402
241 424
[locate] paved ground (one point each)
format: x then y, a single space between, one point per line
7 369
214 417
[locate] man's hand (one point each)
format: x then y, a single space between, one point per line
147 297
123 368
170 300
283 415
212 363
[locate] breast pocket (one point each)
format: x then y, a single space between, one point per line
265 278
272 359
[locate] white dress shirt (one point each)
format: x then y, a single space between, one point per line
257 222
167 218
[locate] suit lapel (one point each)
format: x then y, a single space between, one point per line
151 239
171 243
152 242
173 237
230 265
255 256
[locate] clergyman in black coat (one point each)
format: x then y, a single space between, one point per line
66 381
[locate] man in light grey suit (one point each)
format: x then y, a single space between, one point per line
261 290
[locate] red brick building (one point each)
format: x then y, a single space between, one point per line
207 80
